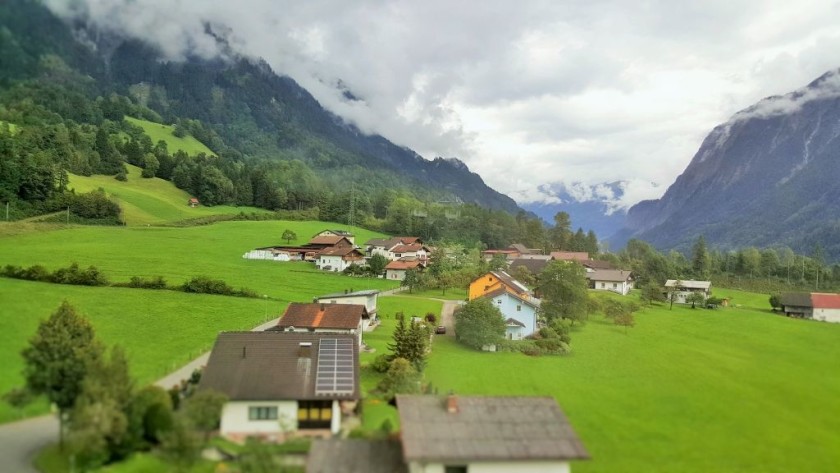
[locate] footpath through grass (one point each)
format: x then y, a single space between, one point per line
736 389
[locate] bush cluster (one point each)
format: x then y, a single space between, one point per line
206 285
69 275
543 346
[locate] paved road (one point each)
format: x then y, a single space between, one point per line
20 441
447 318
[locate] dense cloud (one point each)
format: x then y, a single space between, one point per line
526 93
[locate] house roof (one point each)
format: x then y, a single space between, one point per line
414 247
688 284
343 233
328 240
264 366
313 315
377 242
597 264
535 266
486 429
339 295
340 251
392 242
508 280
822 300
355 455
500 252
533 302
611 275
511 322
403 264
797 299
570 255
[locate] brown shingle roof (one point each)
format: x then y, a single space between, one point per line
355 456
327 240
486 429
597 264
611 275
570 255
412 248
338 316
403 264
270 366
340 251
509 281
534 266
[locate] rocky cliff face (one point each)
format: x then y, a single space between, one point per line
767 177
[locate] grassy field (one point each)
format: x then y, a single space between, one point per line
158 132
160 330
179 253
736 389
151 201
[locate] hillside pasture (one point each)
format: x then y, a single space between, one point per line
736 389
180 253
159 132
151 201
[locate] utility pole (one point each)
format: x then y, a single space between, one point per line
350 218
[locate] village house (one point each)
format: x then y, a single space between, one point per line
338 233
330 241
338 258
520 314
614 280
579 256
508 254
395 270
408 246
479 434
193 202
534 264
494 280
348 319
355 456
682 289
367 298
820 306
282 384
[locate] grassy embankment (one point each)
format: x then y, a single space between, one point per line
158 132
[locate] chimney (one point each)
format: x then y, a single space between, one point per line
305 350
452 403
322 307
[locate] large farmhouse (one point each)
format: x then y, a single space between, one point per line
816 306
324 318
680 289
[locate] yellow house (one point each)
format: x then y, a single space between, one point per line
496 280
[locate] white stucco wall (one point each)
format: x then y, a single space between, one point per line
622 288
498 467
395 274
368 301
827 315
235 418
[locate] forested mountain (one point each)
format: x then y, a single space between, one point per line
65 89
769 177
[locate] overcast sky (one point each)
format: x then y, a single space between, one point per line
527 93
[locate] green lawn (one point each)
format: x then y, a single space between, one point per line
158 132
160 330
50 460
179 253
736 389
151 201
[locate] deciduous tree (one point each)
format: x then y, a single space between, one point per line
479 323
564 289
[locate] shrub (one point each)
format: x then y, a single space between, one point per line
431 318
381 363
206 285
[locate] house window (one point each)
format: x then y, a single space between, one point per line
455 469
262 413
603 285
615 285
519 308
314 414
499 301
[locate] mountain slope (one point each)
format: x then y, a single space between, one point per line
767 177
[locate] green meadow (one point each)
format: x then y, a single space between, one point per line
734 389
180 253
158 132
151 201
160 330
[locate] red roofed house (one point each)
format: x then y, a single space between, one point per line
193 202
395 270
338 258
816 305
327 241
323 318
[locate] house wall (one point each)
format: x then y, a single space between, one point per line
515 333
235 422
497 467
526 314
622 288
483 285
827 315
395 274
368 301
798 311
336 263
679 296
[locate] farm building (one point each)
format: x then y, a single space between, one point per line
338 233
324 318
395 270
338 258
681 289
817 306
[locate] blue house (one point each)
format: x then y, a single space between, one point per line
520 314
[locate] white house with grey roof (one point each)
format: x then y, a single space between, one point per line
477 434
680 289
283 383
613 280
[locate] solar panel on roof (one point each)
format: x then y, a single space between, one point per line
334 374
